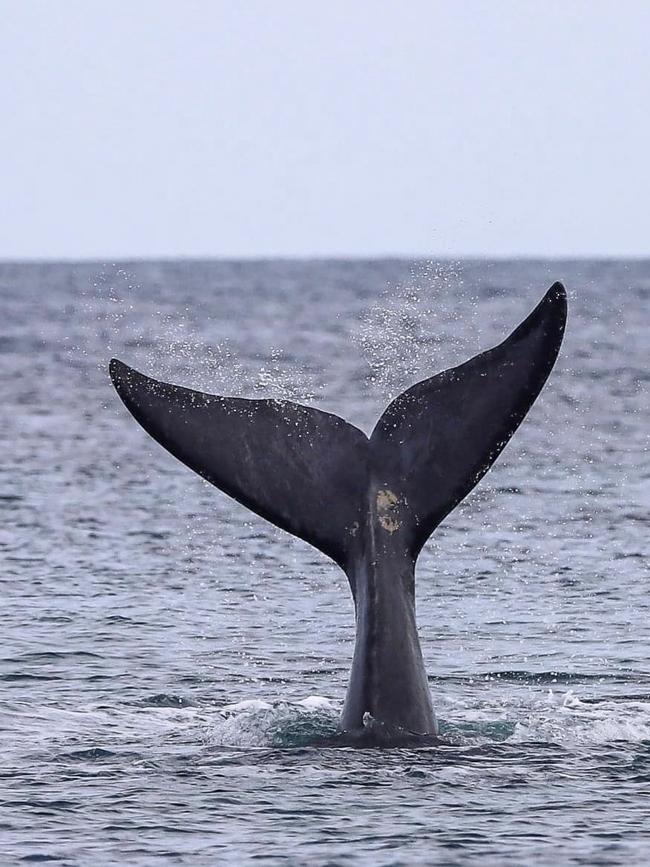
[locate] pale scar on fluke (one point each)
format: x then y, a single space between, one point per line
387 503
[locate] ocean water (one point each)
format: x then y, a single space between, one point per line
167 658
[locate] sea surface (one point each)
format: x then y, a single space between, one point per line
167 659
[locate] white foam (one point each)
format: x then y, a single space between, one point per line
246 706
315 702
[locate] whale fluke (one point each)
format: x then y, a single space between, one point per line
440 437
368 503
298 467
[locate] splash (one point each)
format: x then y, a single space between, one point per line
406 330
178 343
561 718
256 723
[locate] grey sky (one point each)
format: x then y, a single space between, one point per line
158 128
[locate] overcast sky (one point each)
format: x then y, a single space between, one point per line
149 128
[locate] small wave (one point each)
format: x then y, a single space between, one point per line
92 754
37 858
164 700
50 655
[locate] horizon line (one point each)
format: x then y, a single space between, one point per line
333 257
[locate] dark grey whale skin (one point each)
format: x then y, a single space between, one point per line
368 503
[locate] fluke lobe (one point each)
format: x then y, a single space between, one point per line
368 503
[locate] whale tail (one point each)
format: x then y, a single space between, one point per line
314 475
